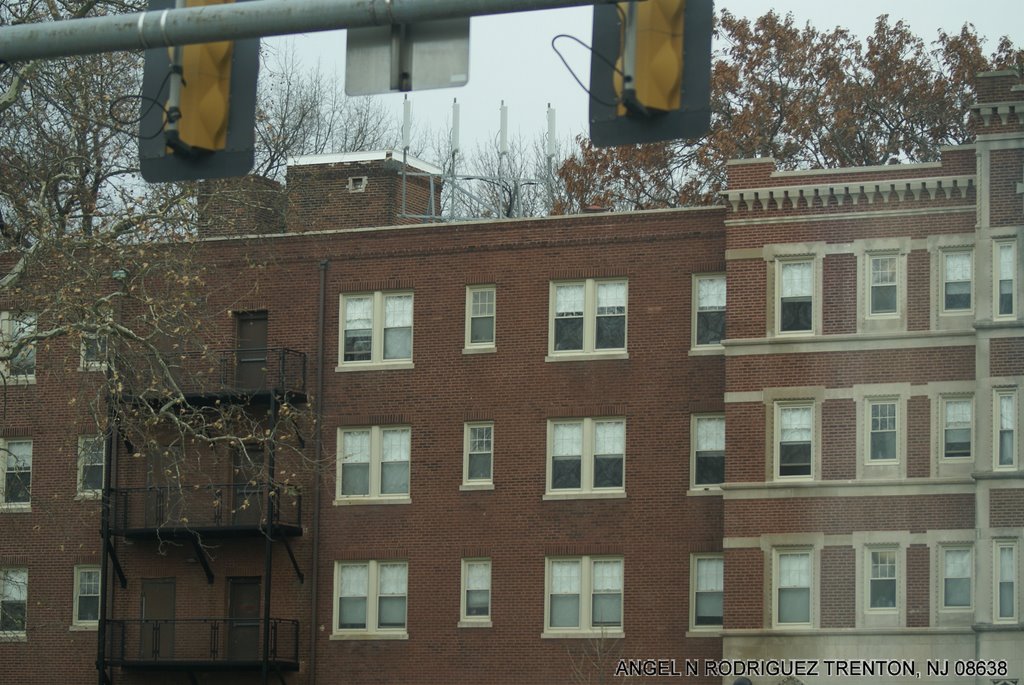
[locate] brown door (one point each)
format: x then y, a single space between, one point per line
251 372
165 504
243 618
248 479
157 638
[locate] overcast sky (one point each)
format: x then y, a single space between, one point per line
511 57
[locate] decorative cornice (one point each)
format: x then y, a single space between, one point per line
918 188
1003 110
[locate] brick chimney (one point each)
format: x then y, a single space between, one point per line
355 190
249 205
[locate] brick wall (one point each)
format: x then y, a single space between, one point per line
1006 508
745 576
918 594
839 440
1006 357
838 579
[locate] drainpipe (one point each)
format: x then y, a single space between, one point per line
314 575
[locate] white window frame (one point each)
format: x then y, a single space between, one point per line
946 427
695 588
475 621
587 489
467 450
997 278
87 364
83 442
374 495
869 405
7 322
811 587
780 406
5 593
586 599
944 255
780 266
377 328
869 282
695 421
483 346
943 551
999 421
372 631
694 323
998 578
869 553
4 460
590 316
76 620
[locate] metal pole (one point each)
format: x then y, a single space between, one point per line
233 21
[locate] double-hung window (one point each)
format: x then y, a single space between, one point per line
1006 278
479 455
957 563
710 307
17 344
16 469
476 592
480 311
376 328
371 598
796 296
709 450
882 579
883 289
957 285
13 601
93 352
586 456
708 589
373 463
87 596
882 431
588 317
1005 581
584 595
91 450
795 441
793 587
958 417
1006 423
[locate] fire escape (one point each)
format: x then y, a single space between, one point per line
137 519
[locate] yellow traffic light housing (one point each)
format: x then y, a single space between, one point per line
649 72
205 91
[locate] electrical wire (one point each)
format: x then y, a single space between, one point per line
573 73
153 102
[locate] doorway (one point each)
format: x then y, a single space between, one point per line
157 638
243 618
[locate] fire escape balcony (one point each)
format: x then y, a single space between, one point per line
203 644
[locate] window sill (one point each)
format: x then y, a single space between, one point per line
706 350
466 623
354 501
19 380
793 479
16 507
364 635
488 349
14 637
706 631
469 487
89 496
582 634
585 356
84 628
704 491
87 368
373 366
795 334
556 496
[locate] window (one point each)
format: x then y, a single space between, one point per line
1006 270
956 578
94 352
371 598
708 587
87 596
376 328
882 298
882 580
16 463
1006 421
956 280
479 452
588 317
796 291
476 591
709 450
91 450
586 456
882 442
957 433
793 588
584 595
794 445
373 463
710 323
1006 581
13 600
480 306
17 333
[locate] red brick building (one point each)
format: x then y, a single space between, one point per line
781 428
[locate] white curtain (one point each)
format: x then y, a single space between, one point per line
393 579
797 279
958 563
958 267
710 575
1006 262
610 437
358 313
711 434
794 570
958 413
1006 564
569 300
1006 412
568 439
565 577
611 298
395 445
355 447
711 294
478 575
796 424
397 311
608 576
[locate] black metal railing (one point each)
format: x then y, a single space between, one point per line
214 642
212 506
213 372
